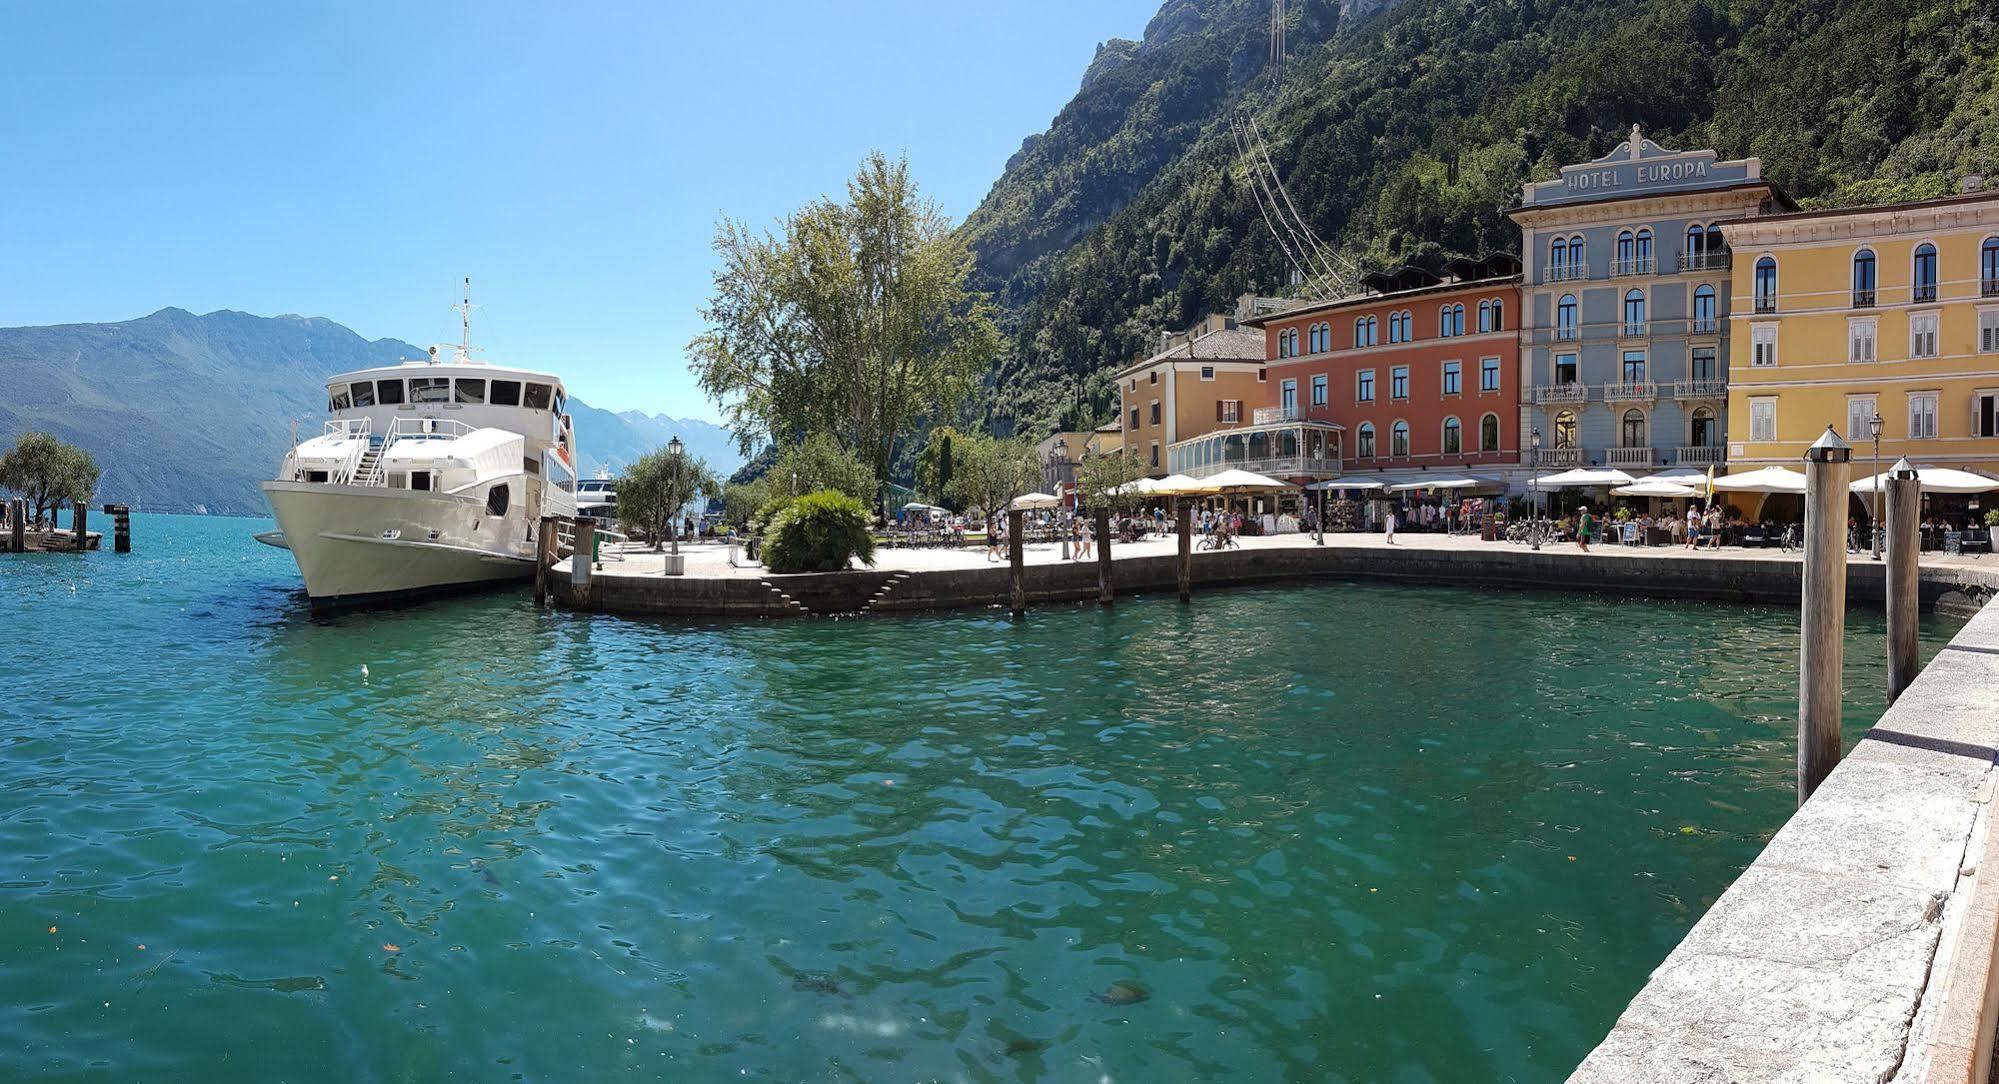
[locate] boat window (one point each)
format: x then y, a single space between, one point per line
469 391
559 474
364 393
420 479
561 402
315 476
429 389
506 393
398 480
389 392
496 500
537 397
339 401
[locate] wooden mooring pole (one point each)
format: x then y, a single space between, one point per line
79 523
581 541
1016 559
1104 556
121 527
544 557
1185 523
1905 494
1822 611
18 535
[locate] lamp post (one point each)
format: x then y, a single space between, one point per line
1874 517
1534 525
674 564
1056 458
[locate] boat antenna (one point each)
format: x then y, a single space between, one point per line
464 310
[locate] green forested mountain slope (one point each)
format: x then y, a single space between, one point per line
1403 135
185 412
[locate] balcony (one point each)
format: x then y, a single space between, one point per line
1988 287
1627 457
1565 333
1706 325
1697 457
1634 329
1269 415
1704 261
1766 305
1630 392
1278 466
1863 299
1564 273
1695 390
1923 294
1626 268
1558 457
1561 393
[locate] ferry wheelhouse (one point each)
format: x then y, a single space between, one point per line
428 476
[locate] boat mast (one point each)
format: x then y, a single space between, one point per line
464 311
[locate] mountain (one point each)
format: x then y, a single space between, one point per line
1403 131
185 412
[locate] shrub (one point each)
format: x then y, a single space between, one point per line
1992 517
819 532
761 519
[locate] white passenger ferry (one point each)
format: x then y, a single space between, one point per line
430 476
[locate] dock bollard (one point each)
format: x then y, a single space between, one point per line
1905 494
1104 556
1186 526
18 536
79 520
544 556
1016 560
582 540
1822 612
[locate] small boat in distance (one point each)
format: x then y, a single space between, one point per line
598 497
429 476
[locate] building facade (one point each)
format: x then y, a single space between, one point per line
1889 310
1197 382
1420 373
1625 343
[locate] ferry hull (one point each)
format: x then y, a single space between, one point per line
360 546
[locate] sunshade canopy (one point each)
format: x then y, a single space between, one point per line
1347 483
1935 480
1767 480
1035 500
1655 487
1582 478
1239 481
1442 483
919 506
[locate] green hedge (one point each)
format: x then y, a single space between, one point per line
819 532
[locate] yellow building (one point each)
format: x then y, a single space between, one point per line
1844 314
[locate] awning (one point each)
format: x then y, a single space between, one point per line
1583 478
1239 481
1935 480
1767 480
1442 483
1655 487
1174 485
1346 483
1035 500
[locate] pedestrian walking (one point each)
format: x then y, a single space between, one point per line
1390 524
1585 527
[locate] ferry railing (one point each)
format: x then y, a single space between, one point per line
355 432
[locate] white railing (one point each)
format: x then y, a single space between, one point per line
1268 415
1565 272
347 427
1277 466
1558 457
1628 457
1635 329
1704 261
1697 457
1630 392
1700 389
1561 393
426 429
1622 268
1706 325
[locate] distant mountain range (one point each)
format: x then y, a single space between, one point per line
187 413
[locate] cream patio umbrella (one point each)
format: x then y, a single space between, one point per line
1583 478
1767 480
1934 480
1655 487
1028 501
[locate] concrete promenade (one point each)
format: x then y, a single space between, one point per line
904 580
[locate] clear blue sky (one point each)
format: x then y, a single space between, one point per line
353 160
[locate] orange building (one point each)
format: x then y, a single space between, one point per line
1420 373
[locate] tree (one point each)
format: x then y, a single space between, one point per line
48 473
937 462
1106 481
653 490
991 471
819 463
854 321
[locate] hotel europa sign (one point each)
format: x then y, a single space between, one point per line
1635 174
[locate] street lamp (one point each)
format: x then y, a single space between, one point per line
1058 457
1534 524
674 450
1874 518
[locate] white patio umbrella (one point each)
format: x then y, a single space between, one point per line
919 506
1767 480
1346 483
1655 487
1442 483
1242 481
1934 480
1035 500
1174 485
1583 478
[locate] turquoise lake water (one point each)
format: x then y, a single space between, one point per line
1347 832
